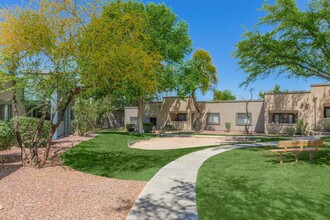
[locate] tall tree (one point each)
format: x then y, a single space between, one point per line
226 94
38 48
297 45
199 73
160 41
276 89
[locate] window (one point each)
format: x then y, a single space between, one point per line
326 111
181 117
153 121
285 118
5 112
213 118
133 120
2 112
243 119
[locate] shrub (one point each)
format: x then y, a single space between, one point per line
302 128
326 126
2 160
290 130
168 127
130 127
147 127
228 126
85 115
27 128
6 136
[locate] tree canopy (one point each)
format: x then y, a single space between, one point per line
226 94
276 89
199 73
297 45
134 47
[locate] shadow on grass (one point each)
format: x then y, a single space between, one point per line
133 134
321 157
240 198
114 164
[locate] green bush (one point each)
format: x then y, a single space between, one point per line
130 127
27 128
326 126
147 127
228 126
2 160
6 136
302 127
290 130
85 115
168 127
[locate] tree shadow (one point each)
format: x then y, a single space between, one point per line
177 203
6 170
241 198
12 158
321 157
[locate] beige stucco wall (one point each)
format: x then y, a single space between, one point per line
227 110
308 105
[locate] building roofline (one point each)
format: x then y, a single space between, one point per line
288 92
230 101
320 84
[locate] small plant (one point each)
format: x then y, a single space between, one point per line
168 127
6 136
228 126
27 128
147 127
302 127
130 127
291 130
2 160
326 126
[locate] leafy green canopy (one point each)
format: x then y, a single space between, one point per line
132 44
298 44
223 95
196 74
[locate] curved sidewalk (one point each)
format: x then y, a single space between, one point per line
170 194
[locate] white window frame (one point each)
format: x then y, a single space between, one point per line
244 123
131 120
213 123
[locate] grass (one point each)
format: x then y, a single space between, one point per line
251 184
108 155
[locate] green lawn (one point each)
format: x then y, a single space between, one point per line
251 184
108 155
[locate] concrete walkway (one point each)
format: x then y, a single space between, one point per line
170 194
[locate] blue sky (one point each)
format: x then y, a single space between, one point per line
216 26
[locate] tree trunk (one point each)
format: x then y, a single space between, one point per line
198 115
34 159
248 122
16 126
70 97
140 115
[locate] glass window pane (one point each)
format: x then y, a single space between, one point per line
133 120
242 118
327 113
213 118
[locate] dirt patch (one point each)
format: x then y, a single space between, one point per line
164 143
59 192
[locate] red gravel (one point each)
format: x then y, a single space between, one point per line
59 192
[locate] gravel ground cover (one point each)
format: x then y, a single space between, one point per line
164 143
59 192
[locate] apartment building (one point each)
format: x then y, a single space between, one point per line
274 114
